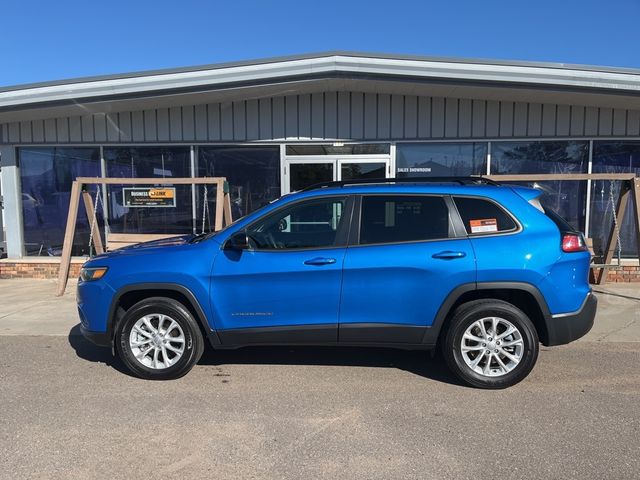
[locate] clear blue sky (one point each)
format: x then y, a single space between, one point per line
56 39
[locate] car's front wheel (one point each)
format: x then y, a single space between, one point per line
158 339
490 344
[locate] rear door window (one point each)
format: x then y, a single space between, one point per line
483 217
400 218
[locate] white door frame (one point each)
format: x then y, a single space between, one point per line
336 160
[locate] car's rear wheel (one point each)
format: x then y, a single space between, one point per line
159 339
490 344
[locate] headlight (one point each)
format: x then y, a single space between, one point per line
90 274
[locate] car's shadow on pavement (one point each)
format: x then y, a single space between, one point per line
418 362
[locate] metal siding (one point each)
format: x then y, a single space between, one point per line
291 116
437 117
370 115
124 120
357 115
14 132
563 120
410 116
591 121
478 121
384 116
137 126
213 121
163 125
424 117
506 119
265 118
451 117
633 122
397 116
493 118
25 132
605 122
150 125
175 124
304 116
201 122
549 119
113 130
317 115
62 125
226 121
75 129
38 130
278 117
239 117
253 120
577 121
534 124
619 121
188 123
520 119
330 115
50 131
344 114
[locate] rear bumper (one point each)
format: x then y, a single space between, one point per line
567 327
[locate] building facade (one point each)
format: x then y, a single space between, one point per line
277 125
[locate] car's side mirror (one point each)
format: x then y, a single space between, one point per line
237 241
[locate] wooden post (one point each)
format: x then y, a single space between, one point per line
621 208
89 208
72 216
636 206
219 204
228 217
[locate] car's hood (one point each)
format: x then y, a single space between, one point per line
148 247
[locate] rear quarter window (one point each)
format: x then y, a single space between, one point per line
483 217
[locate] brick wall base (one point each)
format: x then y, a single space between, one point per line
36 270
49 269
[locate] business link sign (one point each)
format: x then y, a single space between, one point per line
149 197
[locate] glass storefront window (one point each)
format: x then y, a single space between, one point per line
348 149
149 162
567 198
440 159
612 157
253 174
46 176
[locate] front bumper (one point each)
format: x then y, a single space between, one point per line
567 327
102 339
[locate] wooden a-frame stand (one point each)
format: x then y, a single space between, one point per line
222 214
630 188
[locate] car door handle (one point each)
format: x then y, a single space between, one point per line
320 261
448 255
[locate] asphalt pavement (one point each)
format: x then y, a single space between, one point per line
69 410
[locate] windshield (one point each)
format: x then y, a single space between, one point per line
206 236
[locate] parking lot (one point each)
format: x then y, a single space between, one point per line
69 410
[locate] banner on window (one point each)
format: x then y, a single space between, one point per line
149 197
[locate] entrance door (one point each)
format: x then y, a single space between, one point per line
302 173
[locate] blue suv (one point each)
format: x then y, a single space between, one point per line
480 270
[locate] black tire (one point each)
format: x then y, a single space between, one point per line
193 341
467 314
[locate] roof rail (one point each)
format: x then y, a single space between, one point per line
375 181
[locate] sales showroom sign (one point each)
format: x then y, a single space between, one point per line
149 197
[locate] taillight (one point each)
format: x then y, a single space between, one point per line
573 242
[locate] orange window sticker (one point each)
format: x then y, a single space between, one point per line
484 225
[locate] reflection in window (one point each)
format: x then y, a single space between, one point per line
253 174
441 159
567 198
149 162
612 157
46 175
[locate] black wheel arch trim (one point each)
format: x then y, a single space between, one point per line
201 317
433 332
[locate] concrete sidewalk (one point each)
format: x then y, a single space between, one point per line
30 307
